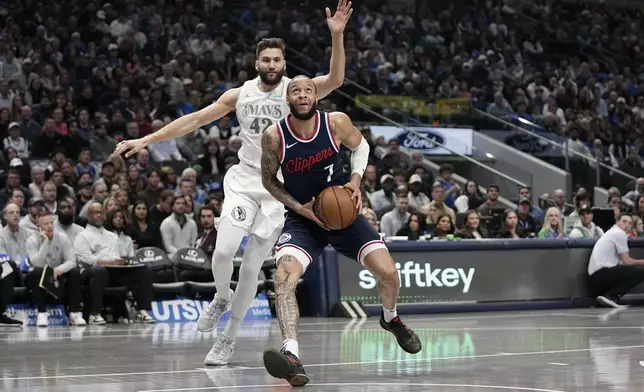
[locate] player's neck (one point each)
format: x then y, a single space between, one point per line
304 128
266 87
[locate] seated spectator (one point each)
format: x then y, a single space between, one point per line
492 201
97 248
49 248
395 219
99 193
444 226
414 228
37 181
16 141
527 223
510 226
552 225
584 227
369 180
115 222
160 211
416 198
472 229
7 284
438 201
471 199
13 238
84 164
143 231
110 204
446 180
153 188
638 228
371 218
432 214
66 219
383 201
166 150
177 231
613 272
573 218
560 202
18 198
12 181
49 198
535 211
206 242
639 207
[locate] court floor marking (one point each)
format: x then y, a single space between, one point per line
350 384
332 364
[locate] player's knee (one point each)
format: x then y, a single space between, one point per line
288 268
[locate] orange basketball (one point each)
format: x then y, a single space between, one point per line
335 208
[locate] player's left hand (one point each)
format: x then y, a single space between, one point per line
356 194
338 21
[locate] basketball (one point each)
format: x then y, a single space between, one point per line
335 208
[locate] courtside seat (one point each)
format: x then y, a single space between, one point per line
200 287
177 288
19 292
115 291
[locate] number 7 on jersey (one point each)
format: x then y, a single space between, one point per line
330 170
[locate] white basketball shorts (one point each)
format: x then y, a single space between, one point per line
248 204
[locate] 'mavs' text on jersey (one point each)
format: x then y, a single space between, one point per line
259 110
300 164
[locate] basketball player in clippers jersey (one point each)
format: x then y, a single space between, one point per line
305 147
248 208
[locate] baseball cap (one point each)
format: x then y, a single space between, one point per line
15 162
415 179
14 124
386 177
585 208
525 200
35 201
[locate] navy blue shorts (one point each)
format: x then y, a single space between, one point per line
304 240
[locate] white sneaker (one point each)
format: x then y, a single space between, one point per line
76 318
143 317
221 351
209 318
42 320
609 302
96 319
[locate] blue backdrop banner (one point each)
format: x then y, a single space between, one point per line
189 310
27 313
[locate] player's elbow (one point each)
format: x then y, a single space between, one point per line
336 81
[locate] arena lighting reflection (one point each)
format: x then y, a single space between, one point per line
452 340
158 333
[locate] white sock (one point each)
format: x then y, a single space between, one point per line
389 314
292 346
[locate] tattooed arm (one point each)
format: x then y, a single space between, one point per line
271 160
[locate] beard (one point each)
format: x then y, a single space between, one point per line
65 219
303 116
263 75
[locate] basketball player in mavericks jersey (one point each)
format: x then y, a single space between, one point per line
248 208
305 147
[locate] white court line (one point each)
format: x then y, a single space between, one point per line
350 384
332 364
558 364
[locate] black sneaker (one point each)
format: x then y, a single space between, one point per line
283 364
406 337
6 321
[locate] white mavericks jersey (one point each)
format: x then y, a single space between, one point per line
256 111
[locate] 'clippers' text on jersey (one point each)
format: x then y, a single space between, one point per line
309 165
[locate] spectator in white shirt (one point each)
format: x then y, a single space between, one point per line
166 150
29 223
97 248
16 141
613 272
177 230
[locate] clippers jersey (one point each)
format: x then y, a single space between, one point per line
309 165
257 110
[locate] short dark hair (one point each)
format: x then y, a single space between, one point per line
270 43
166 194
208 208
446 167
494 186
300 77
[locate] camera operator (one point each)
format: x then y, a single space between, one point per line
613 272
50 248
97 248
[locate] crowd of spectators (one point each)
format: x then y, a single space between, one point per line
76 78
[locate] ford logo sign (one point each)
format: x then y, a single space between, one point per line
413 141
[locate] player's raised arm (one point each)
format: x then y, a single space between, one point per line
345 133
334 79
183 125
271 161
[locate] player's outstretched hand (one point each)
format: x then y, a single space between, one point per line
307 212
356 194
130 147
339 20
